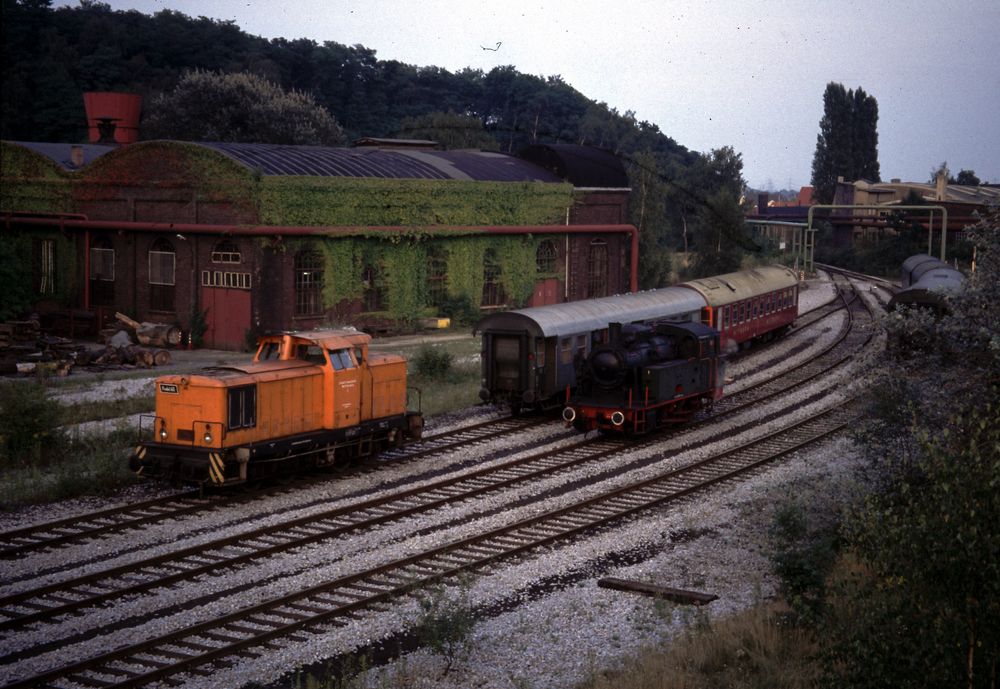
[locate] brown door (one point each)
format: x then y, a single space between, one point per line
227 316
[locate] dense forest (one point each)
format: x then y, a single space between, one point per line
682 200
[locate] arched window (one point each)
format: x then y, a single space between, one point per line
545 257
102 272
308 283
372 294
162 275
493 294
597 269
437 272
226 251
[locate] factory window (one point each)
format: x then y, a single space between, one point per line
597 269
545 257
162 270
308 283
437 271
371 291
226 251
493 292
102 272
45 265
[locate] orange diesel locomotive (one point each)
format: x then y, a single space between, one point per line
308 399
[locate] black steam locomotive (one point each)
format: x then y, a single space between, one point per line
646 376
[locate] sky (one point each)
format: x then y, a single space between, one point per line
742 73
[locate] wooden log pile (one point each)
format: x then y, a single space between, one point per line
26 350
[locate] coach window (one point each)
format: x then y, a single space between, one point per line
566 351
743 312
725 317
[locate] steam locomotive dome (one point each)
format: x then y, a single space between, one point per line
609 364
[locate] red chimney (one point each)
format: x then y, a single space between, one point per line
107 109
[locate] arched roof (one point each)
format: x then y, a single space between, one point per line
581 166
398 163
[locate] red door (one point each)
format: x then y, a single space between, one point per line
546 292
228 316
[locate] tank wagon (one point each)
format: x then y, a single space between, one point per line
308 399
529 356
925 281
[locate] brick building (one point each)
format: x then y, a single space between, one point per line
253 237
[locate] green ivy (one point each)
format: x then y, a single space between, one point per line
348 201
31 182
425 207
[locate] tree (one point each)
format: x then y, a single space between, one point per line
450 129
847 144
241 107
646 210
922 605
968 178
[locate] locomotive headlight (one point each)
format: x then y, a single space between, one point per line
163 432
208 436
618 418
569 414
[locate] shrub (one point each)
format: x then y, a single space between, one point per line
432 362
445 625
803 557
29 424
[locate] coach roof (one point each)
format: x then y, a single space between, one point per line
575 317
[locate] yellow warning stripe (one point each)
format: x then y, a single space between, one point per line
216 468
140 452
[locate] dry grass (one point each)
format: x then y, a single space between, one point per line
755 649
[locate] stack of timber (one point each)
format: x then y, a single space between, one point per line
25 349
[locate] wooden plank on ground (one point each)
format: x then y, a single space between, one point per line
671 594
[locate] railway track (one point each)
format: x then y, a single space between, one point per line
54 600
45 604
242 633
20 542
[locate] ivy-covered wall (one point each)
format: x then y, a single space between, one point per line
401 261
30 182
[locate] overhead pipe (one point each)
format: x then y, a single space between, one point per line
930 227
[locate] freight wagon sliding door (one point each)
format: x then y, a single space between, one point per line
228 316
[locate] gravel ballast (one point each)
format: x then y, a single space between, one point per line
713 542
